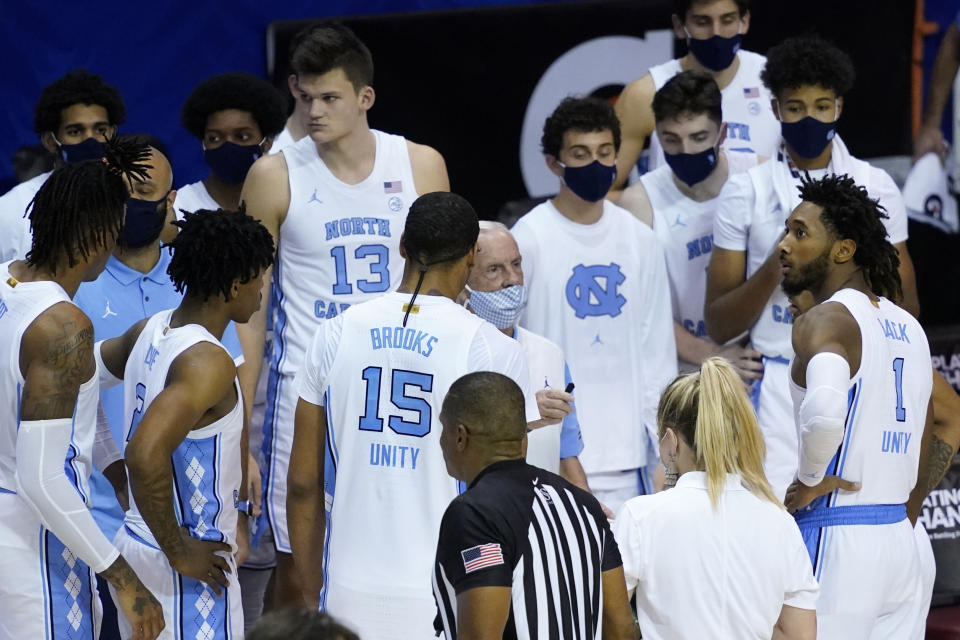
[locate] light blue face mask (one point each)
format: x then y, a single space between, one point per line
501 308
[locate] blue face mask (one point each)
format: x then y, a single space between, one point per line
143 222
808 137
716 52
590 182
230 162
501 308
89 149
691 168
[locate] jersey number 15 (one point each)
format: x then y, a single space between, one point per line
400 380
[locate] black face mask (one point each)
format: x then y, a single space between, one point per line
230 162
89 149
143 222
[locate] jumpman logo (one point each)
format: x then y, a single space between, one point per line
108 312
596 340
314 198
678 222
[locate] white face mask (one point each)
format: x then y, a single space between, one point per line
501 308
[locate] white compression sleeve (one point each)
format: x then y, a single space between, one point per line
822 414
43 484
107 379
105 450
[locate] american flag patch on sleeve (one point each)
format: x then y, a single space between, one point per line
751 92
396 186
480 556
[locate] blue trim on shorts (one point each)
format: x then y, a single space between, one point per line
59 578
274 395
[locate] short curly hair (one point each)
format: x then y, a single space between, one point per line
578 114
214 248
237 90
77 87
807 61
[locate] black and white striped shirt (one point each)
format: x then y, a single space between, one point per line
523 527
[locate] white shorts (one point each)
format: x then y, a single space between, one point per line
382 616
190 608
869 582
928 575
277 443
45 590
771 399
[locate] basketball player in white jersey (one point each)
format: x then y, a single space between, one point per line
497 294
50 545
336 203
368 429
944 442
182 404
861 384
236 117
808 78
713 30
598 288
679 201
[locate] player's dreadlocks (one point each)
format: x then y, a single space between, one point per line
81 206
214 248
850 213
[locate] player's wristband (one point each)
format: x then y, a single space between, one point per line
244 507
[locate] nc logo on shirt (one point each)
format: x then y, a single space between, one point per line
588 297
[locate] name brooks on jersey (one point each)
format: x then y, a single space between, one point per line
402 338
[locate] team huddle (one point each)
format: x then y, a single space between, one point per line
316 379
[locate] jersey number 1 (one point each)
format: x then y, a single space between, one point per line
400 379
898 373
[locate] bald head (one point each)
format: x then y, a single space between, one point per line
490 405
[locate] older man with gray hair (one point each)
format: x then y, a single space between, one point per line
497 294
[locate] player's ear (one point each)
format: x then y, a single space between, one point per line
403 251
723 134
367 97
775 107
844 250
678 27
839 106
745 23
554 165
292 85
48 140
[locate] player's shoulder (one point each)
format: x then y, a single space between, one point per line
422 155
638 93
13 203
822 323
626 222
882 185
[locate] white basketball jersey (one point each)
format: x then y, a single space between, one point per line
547 369
20 304
600 292
887 403
206 465
751 125
193 197
339 244
382 386
684 228
282 141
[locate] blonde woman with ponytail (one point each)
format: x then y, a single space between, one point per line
716 556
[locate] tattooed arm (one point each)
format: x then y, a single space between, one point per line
56 357
199 390
941 438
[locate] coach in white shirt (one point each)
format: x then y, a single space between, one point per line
497 294
717 556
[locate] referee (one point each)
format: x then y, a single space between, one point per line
523 553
